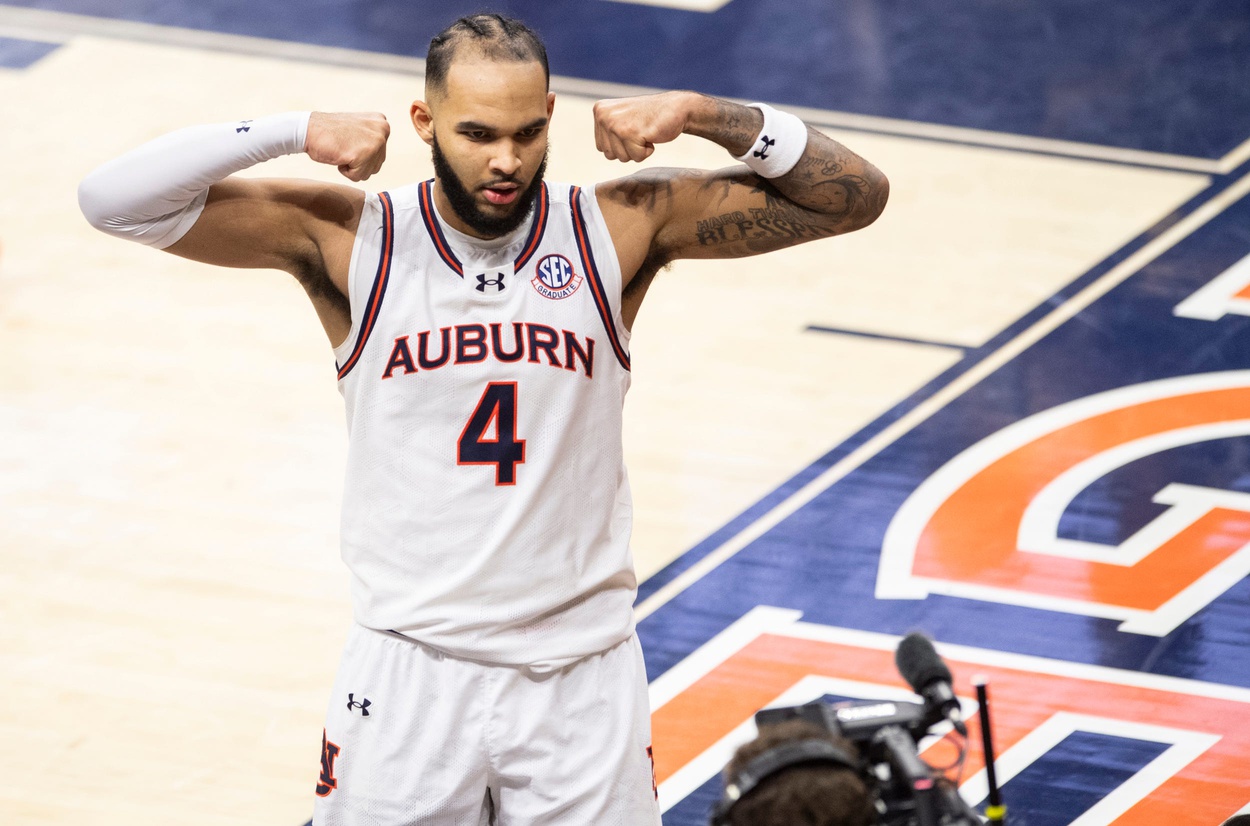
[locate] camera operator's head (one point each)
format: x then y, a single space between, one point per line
795 774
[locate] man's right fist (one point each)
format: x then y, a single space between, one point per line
355 142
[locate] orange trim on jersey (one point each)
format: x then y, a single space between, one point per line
541 208
596 284
426 196
379 284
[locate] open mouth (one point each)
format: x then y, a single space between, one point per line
502 194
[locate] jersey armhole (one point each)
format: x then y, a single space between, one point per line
609 264
370 222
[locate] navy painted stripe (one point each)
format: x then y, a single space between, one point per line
816 328
378 291
539 228
21 54
436 232
592 272
1162 75
971 359
1091 766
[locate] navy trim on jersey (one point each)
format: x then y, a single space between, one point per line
582 233
539 227
542 207
426 192
379 283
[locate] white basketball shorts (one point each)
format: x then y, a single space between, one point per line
413 736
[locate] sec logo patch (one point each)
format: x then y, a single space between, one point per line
555 278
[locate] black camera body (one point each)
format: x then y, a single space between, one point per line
908 791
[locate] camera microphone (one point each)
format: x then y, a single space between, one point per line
919 664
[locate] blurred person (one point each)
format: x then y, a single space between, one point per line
795 774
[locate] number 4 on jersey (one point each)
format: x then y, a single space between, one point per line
489 437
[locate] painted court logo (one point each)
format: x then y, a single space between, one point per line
555 278
1172 735
945 540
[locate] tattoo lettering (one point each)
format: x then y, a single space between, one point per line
814 166
764 229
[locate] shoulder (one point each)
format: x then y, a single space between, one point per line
636 207
646 200
401 199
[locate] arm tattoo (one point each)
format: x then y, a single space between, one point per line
738 126
760 230
779 223
648 190
731 125
830 190
834 182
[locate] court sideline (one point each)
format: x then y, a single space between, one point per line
173 600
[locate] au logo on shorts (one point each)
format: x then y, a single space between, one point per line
555 278
327 782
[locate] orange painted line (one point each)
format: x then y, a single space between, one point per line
1207 790
972 535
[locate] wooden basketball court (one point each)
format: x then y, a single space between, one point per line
172 604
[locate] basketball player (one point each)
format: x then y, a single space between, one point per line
481 325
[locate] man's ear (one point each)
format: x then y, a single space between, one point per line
551 103
423 120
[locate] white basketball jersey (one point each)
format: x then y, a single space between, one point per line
487 512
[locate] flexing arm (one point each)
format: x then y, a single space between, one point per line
732 212
175 193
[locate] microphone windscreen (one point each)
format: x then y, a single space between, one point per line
918 661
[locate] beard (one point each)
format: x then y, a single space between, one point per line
466 208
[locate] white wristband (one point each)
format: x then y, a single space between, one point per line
155 193
779 145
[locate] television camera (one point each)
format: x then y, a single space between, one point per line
908 791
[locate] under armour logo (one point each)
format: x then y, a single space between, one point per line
496 284
762 154
363 705
243 127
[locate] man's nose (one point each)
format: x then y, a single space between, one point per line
506 160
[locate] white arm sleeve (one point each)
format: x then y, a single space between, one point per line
155 193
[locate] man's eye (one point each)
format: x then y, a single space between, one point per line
530 133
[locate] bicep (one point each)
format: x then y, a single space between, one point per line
272 223
732 213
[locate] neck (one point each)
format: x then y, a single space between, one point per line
451 219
